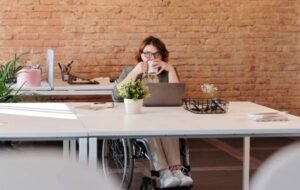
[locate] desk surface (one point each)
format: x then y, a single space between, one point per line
175 121
63 85
64 88
58 120
39 120
44 87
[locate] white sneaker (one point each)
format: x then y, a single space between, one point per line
184 180
167 179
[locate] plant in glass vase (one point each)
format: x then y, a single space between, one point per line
133 93
211 92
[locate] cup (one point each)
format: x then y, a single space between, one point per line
151 68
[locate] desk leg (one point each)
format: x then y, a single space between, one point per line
83 145
93 152
246 163
73 149
66 149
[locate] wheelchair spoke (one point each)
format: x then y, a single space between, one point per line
117 160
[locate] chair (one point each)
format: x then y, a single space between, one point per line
118 157
281 171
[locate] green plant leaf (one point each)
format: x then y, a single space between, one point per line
134 90
9 71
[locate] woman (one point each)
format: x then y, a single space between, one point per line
165 152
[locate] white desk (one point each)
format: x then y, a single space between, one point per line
63 88
42 121
177 122
43 88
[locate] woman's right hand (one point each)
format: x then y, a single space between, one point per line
140 68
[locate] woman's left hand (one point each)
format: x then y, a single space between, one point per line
161 66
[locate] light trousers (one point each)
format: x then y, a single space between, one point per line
165 152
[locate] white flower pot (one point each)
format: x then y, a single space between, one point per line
133 107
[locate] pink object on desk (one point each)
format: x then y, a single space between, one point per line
29 77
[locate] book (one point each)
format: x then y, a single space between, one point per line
269 116
97 106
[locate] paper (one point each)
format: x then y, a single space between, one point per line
270 116
102 80
97 106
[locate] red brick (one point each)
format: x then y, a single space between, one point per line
248 48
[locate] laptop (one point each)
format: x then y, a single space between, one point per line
165 94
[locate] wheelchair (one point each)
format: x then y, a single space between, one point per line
119 155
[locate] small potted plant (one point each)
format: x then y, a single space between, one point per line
11 68
7 93
211 92
133 93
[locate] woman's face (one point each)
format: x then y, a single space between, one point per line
150 52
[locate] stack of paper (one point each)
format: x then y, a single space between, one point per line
96 106
271 116
102 80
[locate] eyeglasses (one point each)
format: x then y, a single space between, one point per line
148 54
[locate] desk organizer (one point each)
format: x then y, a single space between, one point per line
29 77
71 78
205 106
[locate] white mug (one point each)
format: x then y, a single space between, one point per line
151 68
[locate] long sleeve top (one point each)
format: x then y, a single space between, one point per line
163 77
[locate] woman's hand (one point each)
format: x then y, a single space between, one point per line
161 66
140 68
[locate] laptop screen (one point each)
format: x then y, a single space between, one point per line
165 94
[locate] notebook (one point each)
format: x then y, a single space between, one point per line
165 94
272 116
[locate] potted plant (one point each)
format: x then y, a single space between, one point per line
12 69
7 72
211 92
133 93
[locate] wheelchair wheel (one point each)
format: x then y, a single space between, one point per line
117 160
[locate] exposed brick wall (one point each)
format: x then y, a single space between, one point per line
249 48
